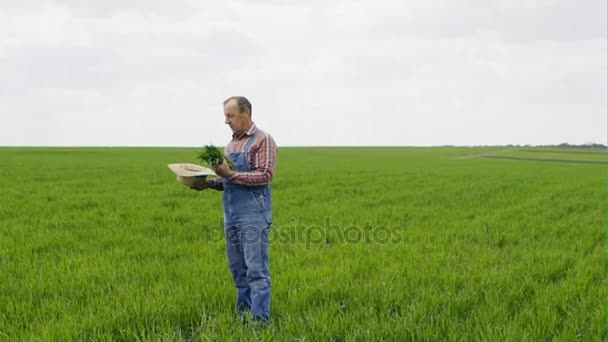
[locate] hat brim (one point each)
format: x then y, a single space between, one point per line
190 170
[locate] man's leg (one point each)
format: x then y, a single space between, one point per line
238 268
255 247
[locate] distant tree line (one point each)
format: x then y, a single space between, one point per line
590 145
566 145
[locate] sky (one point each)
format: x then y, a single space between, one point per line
318 73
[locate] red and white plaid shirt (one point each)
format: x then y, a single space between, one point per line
262 159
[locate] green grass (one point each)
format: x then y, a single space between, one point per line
368 244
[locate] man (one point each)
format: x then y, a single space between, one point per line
247 207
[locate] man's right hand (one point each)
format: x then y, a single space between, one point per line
200 185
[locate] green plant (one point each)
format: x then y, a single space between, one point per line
213 156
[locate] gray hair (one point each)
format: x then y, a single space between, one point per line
242 101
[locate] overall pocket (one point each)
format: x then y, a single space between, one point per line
258 197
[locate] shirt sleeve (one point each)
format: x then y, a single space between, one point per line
264 160
216 184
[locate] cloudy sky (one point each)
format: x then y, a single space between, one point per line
373 72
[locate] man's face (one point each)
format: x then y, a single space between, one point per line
238 122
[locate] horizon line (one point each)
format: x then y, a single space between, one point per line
595 145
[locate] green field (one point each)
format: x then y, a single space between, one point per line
408 244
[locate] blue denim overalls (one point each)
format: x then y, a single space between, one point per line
247 222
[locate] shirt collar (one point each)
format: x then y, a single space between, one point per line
249 132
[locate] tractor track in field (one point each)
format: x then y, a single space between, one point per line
566 161
496 155
481 155
564 152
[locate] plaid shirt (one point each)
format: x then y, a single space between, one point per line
262 158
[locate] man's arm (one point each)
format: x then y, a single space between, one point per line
262 170
215 184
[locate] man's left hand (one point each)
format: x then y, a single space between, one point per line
223 170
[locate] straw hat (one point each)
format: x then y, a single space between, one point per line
189 174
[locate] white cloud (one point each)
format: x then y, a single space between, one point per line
347 73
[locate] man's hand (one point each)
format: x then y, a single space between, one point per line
200 185
223 170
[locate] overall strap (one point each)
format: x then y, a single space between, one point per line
250 141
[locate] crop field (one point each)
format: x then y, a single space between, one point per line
408 244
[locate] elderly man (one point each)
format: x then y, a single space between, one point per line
247 207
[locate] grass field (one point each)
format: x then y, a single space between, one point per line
407 244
